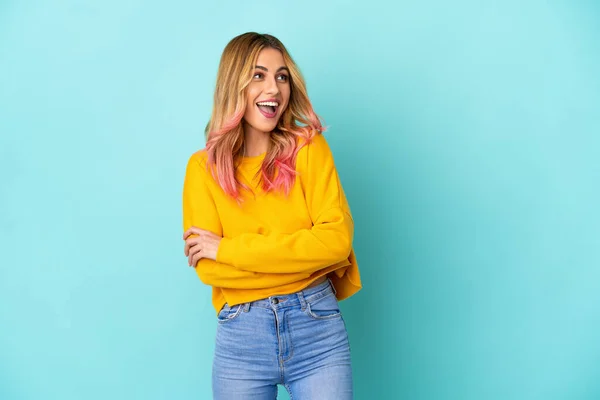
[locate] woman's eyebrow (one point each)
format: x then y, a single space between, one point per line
266 69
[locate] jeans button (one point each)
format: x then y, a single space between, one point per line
275 301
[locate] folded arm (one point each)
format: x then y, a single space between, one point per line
328 242
199 210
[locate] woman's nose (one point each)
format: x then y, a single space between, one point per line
271 86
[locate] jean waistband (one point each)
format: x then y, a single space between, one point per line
293 299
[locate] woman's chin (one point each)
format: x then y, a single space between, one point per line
267 128
263 126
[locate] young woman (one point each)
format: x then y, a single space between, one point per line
267 225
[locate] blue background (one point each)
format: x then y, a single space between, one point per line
466 134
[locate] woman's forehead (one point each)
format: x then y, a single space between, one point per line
271 57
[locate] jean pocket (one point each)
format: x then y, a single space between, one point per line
229 313
324 308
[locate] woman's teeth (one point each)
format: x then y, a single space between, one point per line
268 106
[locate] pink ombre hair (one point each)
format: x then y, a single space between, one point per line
225 133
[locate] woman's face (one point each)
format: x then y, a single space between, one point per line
268 93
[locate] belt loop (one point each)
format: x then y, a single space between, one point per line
332 286
302 300
246 307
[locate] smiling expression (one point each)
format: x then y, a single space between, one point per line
268 94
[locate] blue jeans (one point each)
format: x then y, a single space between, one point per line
297 340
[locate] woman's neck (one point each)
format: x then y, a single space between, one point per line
255 142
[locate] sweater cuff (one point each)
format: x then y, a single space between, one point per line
225 252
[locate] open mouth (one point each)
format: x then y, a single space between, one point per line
268 108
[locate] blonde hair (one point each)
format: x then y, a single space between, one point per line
225 133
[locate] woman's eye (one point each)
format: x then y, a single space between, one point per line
283 78
257 75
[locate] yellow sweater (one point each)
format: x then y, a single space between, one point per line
273 243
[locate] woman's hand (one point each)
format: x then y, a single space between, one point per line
200 243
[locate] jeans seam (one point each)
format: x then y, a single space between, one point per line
289 389
316 296
232 317
319 318
290 344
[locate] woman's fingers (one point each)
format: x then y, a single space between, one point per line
203 244
196 257
191 242
195 248
189 232
186 247
193 231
